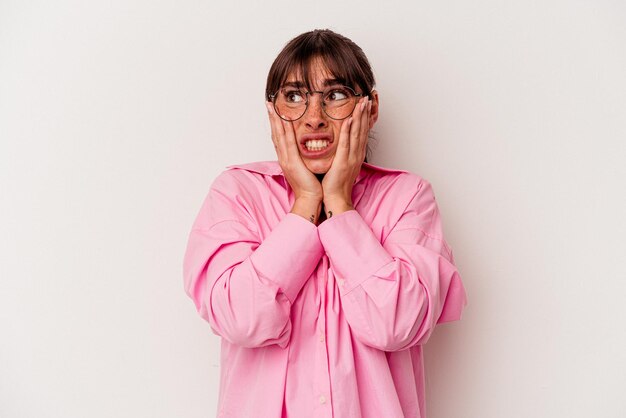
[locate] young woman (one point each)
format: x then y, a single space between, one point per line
323 274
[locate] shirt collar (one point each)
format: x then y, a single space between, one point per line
272 168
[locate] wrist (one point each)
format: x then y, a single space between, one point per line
336 206
307 207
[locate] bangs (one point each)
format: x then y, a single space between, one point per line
300 71
341 59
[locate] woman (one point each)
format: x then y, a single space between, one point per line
323 274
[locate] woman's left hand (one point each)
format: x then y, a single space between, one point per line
339 180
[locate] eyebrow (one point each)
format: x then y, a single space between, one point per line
299 84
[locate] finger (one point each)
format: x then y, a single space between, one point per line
268 106
364 130
343 144
292 155
277 132
291 144
355 132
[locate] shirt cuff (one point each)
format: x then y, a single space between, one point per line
354 251
289 254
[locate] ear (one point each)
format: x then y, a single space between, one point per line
374 111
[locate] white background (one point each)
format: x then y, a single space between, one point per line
115 116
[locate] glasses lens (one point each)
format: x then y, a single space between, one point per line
339 102
290 103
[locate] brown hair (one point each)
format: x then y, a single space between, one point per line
344 59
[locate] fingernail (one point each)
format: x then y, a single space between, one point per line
363 105
269 107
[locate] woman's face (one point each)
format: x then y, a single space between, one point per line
316 126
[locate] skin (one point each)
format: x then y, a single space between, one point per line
343 164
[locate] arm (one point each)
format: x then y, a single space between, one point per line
242 286
393 294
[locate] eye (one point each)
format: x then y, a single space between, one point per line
293 96
337 94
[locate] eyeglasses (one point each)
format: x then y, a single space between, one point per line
338 102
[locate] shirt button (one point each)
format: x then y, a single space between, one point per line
342 282
322 399
322 338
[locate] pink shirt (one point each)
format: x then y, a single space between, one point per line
328 320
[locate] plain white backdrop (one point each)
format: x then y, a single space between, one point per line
116 116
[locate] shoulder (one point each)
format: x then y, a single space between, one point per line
237 192
396 181
248 176
265 168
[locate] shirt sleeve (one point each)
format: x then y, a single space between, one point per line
394 293
243 285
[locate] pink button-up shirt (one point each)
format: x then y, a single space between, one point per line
328 320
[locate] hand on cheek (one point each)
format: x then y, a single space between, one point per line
339 180
306 187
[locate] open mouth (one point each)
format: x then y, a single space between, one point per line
316 144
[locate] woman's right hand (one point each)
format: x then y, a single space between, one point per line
306 187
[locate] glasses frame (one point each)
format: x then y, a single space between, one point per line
272 98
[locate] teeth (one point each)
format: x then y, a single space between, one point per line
316 144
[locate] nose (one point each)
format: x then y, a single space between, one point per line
314 117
